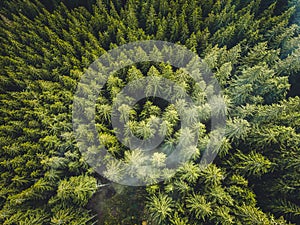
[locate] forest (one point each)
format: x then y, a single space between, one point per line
250 47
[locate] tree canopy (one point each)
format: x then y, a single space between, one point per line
253 50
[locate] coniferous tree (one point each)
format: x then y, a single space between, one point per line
252 47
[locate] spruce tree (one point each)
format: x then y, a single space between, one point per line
252 48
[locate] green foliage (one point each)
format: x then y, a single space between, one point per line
160 208
77 189
198 205
252 47
253 164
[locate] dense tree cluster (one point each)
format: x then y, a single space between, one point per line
253 49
